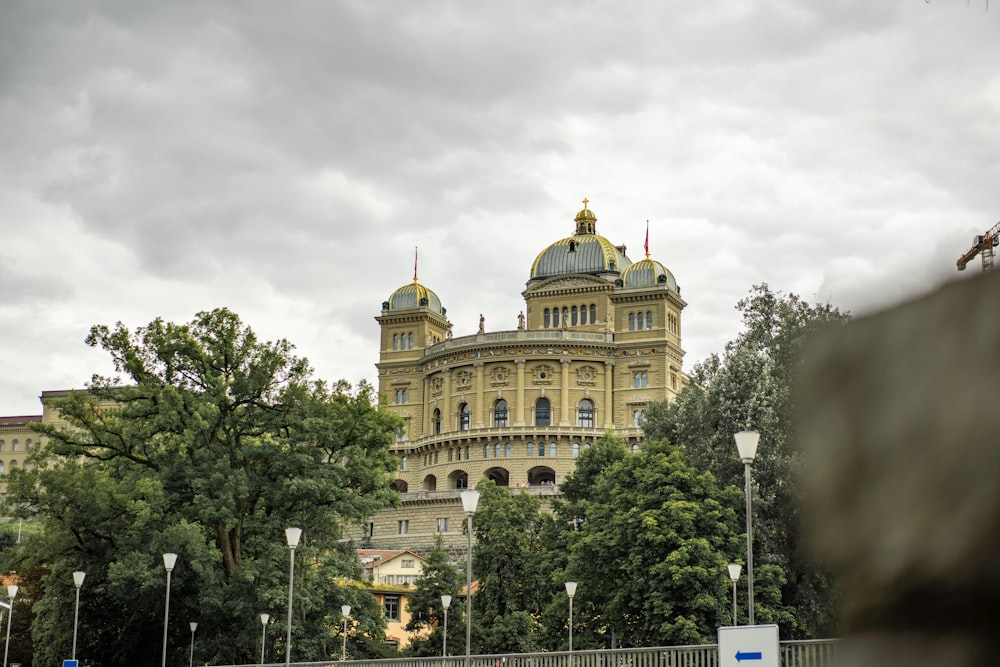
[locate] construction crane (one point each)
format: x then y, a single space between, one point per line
982 245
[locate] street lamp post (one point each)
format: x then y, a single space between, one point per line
292 536
470 500
78 578
169 560
445 603
11 593
571 591
746 444
734 574
194 626
264 618
345 611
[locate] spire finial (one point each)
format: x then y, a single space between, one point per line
647 238
415 263
585 202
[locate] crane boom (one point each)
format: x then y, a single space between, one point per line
983 246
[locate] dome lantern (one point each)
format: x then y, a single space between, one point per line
586 221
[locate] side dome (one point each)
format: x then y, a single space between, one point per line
648 273
413 296
585 252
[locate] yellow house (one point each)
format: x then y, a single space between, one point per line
392 573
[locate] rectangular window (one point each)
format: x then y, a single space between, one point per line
391 605
442 525
407 563
403 527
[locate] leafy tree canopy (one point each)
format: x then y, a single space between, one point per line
752 386
208 444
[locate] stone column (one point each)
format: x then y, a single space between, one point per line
447 414
564 402
519 413
480 410
609 393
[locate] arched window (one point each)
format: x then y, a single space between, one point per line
649 319
585 413
631 321
576 316
486 451
402 464
496 451
468 452
1 468
641 320
593 313
555 317
531 449
3 445
500 414
395 341
583 314
543 412
541 449
411 341
458 454
547 318
437 421
552 449
576 449
506 449
463 417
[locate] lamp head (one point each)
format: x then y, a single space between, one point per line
292 536
12 591
264 618
78 578
169 560
194 626
734 571
470 500
746 445
345 610
446 601
571 588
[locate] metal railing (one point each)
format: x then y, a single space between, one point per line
801 653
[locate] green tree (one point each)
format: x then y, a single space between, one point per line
651 546
512 588
439 577
752 386
208 444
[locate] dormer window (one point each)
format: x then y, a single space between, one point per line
572 246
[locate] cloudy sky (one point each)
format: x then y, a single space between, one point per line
283 159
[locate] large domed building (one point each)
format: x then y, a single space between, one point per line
599 340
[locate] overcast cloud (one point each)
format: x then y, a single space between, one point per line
283 159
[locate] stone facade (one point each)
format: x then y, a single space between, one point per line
600 341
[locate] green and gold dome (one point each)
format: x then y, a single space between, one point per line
413 296
585 252
648 273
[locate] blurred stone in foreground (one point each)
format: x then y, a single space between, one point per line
900 425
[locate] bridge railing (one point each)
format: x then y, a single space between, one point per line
802 653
